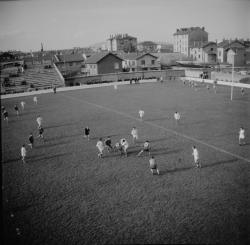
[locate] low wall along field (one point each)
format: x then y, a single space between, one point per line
124 76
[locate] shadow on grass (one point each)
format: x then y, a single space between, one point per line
163 151
161 139
103 137
175 170
44 145
59 125
219 162
43 157
12 160
61 137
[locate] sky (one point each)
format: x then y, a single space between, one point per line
61 24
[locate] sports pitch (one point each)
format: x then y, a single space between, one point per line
64 194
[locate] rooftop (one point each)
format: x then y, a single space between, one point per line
121 36
95 58
188 30
70 57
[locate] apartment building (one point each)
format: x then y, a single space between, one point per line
204 52
122 42
186 38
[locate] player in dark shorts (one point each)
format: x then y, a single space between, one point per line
86 132
242 91
54 89
3 109
40 132
153 165
108 144
5 116
31 140
17 110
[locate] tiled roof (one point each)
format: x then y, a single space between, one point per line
129 56
147 43
223 44
171 58
70 58
207 44
140 56
99 56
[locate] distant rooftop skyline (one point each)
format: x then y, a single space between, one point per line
61 24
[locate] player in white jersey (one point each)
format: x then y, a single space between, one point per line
242 136
134 134
100 147
115 86
153 165
146 148
196 157
177 117
22 104
141 114
125 145
23 153
39 121
35 100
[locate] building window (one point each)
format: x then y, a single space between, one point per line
152 62
142 62
116 65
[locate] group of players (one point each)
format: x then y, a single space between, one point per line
121 146
31 137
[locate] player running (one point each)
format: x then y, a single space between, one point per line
35 100
196 157
23 153
100 147
242 136
40 132
153 165
124 145
22 104
108 144
2 109
86 132
31 140
146 148
141 114
16 109
39 121
134 134
5 116
242 91
177 117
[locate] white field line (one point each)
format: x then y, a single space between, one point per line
163 128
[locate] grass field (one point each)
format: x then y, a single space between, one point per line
64 194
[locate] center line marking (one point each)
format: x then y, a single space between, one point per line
158 126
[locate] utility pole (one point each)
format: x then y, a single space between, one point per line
232 87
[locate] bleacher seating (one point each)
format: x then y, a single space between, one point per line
33 78
40 77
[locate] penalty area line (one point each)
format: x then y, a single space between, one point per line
160 127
